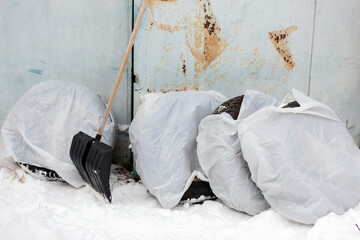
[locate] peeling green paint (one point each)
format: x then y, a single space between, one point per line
36 71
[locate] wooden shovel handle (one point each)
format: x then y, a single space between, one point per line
122 68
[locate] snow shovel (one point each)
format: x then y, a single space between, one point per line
91 157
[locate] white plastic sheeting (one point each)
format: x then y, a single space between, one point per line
254 101
221 158
40 127
303 159
163 138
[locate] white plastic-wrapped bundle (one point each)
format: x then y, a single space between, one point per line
220 156
39 128
163 138
303 159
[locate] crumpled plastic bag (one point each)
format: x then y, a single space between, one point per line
5 159
163 139
220 156
39 128
303 159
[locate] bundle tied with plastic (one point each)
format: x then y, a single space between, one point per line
220 154
39 128
302 158
163 139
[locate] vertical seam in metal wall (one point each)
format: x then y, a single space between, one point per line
135 175
132 63
312 46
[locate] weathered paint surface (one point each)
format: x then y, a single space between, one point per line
228 46
224 46
80 41
272 46
335 75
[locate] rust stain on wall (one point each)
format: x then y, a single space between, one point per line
151 90
280 41
204 37
168 28
153 3
195 86
183 64
202 30
202 33
255 61
181 87
178 88
184 67
158 4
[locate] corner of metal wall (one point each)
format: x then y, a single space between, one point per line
132 162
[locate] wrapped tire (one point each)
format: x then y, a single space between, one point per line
302 158
220 154
39 128
163 139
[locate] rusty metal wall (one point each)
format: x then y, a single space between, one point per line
272 46
228 46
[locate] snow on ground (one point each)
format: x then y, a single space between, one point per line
36 209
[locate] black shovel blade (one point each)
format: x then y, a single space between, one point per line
98 164
79 149
92 159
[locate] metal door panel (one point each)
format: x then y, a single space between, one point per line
80 41
335 78
227 46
